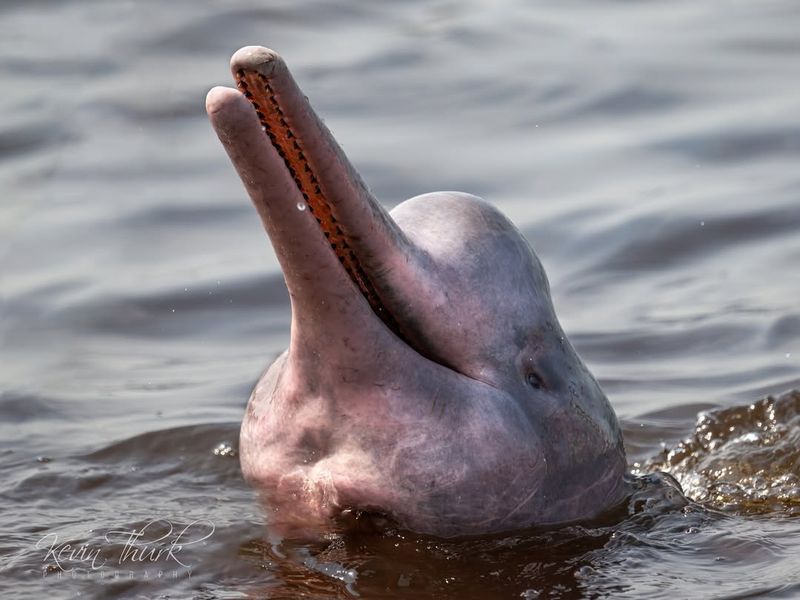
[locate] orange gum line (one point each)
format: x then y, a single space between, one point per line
257 89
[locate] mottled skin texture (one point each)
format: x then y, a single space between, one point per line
428 378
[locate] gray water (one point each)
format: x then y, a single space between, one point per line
650 152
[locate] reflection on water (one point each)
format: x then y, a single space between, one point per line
648 151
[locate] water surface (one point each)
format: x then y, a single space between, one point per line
648 150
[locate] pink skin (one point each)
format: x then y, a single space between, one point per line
429 381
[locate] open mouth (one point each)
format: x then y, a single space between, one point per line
261 91
295 159
318 212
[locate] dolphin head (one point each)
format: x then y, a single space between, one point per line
427 376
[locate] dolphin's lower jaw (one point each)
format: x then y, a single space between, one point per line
427 376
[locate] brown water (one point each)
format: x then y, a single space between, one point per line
650 151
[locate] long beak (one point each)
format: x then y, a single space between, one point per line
328 231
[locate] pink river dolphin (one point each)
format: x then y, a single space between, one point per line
427 377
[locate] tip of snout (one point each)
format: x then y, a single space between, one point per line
230 112
219 98
255 58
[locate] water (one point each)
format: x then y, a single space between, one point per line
649 152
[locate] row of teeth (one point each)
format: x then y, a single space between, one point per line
274 123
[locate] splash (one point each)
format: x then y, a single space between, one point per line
743 459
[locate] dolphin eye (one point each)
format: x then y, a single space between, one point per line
534 380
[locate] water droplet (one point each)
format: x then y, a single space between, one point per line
301 206
225 449
788 355
702 223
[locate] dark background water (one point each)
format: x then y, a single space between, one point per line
650 151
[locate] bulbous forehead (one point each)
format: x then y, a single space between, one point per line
476 249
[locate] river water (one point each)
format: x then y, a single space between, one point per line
650 152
